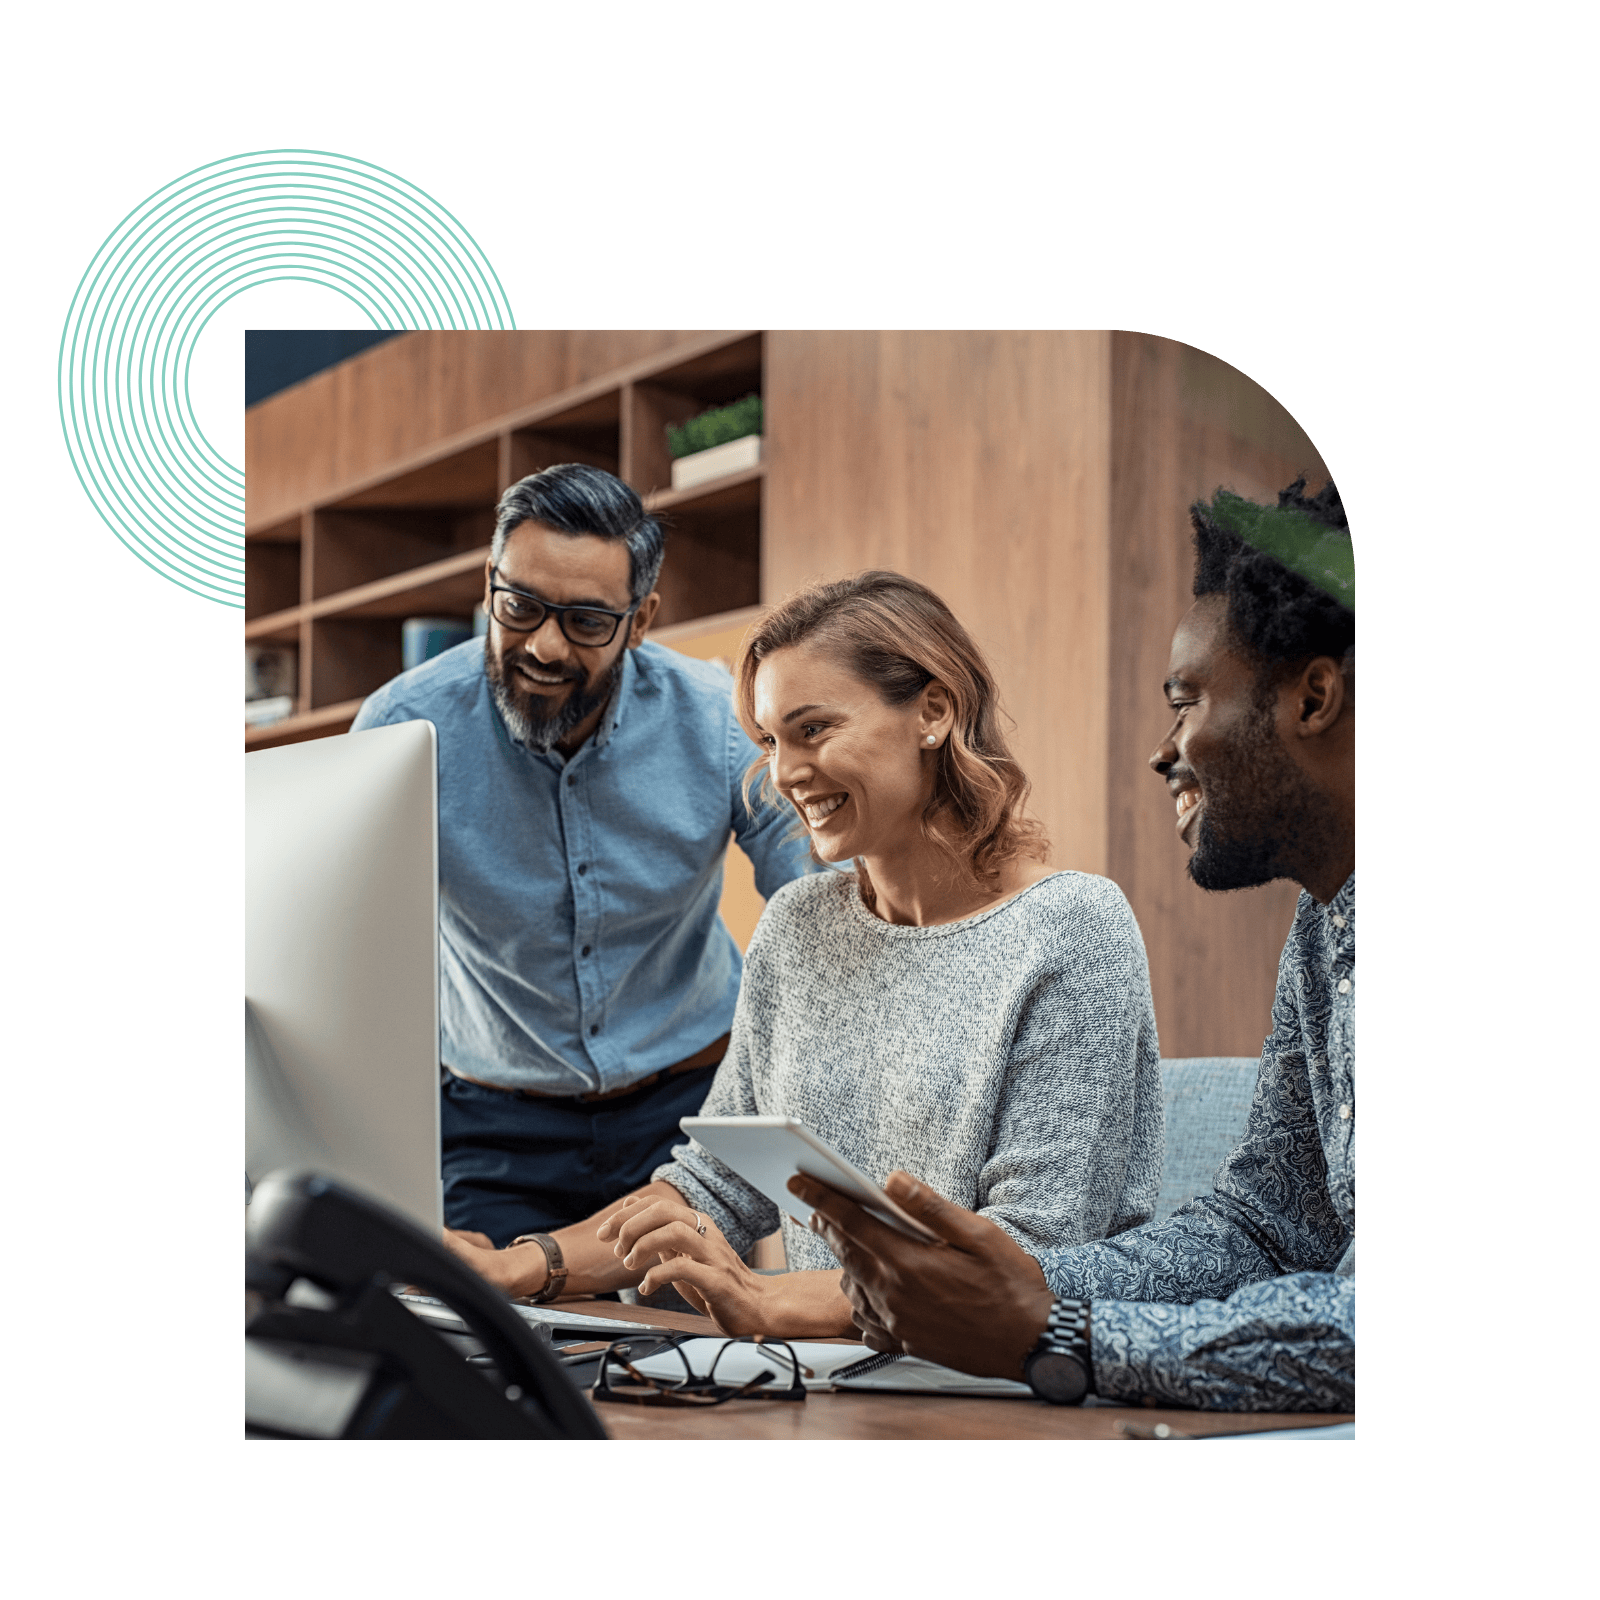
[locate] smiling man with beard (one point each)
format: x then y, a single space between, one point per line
1244 1299
588 783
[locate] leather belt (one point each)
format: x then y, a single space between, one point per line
701 1060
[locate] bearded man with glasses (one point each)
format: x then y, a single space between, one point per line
588 783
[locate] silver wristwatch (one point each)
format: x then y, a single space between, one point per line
1059 1368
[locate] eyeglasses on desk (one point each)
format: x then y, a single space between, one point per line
620 1380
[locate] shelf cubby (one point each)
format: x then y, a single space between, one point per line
447 588
716 375
467 476
673 395
352 549
337 578
277 627
350 657
272 578
272 564
713 560
589 432
303 725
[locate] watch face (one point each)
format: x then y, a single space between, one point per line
1058 1378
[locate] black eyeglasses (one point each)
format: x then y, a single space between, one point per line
583 625
619 1379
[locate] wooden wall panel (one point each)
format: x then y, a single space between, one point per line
1184 424
718 639
979 464
1038 481
400 396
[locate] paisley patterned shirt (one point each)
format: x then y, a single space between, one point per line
1245 1298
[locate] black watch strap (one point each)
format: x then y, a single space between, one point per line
556 1280
1060 1368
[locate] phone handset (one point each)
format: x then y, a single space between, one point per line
411 1382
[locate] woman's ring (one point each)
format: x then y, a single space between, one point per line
699 1224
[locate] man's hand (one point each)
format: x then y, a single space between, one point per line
514 1272
976 1300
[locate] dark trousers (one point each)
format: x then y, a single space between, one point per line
513 1165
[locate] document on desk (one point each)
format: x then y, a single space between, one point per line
908 1375
825 1366
1333 1430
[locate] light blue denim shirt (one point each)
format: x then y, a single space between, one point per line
1245 1298
579 942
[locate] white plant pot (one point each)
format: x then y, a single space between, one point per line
717 462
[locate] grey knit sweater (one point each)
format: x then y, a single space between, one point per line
1009 1060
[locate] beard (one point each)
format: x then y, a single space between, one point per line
1261 819
529 717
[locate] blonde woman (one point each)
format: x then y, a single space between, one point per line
949 1005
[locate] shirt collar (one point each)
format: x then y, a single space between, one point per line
620 701
1340 912
612 715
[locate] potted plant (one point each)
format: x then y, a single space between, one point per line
723 440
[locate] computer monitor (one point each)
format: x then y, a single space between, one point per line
342 963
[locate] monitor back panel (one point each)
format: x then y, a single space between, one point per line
342 962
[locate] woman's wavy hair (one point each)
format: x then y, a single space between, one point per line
899 636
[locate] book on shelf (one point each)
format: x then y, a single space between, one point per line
423 638
270 670
267 709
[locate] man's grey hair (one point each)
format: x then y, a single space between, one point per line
580 500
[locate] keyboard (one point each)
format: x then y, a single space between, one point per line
436 1313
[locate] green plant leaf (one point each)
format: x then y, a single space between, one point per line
1321 555
721 425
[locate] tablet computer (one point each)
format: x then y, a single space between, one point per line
767 1151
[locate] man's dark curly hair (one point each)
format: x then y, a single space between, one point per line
1277 616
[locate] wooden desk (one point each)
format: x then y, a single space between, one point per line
827 1414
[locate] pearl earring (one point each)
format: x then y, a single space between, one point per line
933 738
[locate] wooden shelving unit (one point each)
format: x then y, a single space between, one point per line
1039 481
336 579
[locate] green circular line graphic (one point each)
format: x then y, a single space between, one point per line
268 216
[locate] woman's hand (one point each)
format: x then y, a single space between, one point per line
873 1333
663 1235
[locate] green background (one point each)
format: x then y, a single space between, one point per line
1370 212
